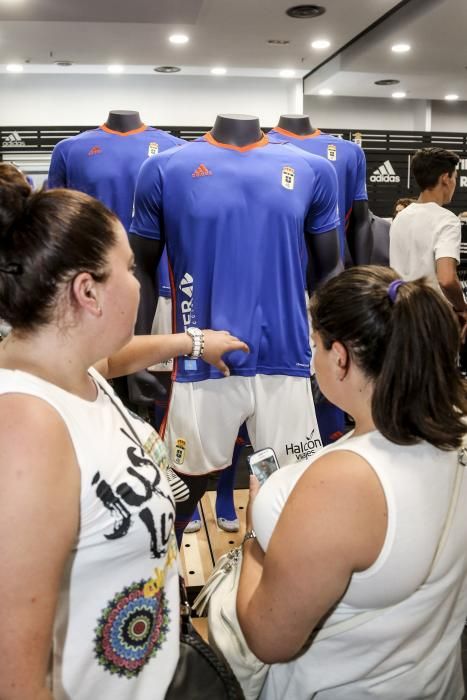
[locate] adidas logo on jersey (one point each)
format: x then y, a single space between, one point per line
95 150
385 173
14 139
201 171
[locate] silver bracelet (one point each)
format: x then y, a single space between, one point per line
197 339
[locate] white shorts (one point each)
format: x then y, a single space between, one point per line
162 325
204 418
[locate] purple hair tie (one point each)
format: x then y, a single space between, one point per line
393 289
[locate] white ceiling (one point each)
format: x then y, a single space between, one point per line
234 34
435 66
230 33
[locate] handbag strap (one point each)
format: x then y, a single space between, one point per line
361 618
121 412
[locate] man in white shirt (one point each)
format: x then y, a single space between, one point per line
425 238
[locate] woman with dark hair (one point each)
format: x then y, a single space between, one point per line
374 531
87 543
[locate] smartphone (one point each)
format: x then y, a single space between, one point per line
263 463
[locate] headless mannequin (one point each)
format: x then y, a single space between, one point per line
123 121
297 124
236 130
143 387
239 131
358 237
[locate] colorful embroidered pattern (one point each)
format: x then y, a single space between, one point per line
131 630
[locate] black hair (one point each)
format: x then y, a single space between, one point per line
46 238
428 164
407 347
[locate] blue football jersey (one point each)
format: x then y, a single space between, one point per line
348 160
165 289
105 164
234 222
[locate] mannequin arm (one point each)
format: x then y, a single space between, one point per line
359 233
324 260
57 170
143 387
147 252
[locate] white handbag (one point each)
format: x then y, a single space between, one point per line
220 594
225 634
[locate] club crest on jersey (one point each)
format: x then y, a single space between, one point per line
95 151
288 177
180 447
153 149
332 152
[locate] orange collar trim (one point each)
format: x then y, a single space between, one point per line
257 144
139 130
317 132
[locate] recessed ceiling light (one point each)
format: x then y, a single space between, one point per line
279 42
287 73
14 68
387 81
452 97
401 48
399 95
219 71
305 11
115 68
178 39
320 44
167 69
326 91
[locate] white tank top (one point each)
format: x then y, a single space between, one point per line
116 634
412 650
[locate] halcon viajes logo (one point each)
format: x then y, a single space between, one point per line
305 448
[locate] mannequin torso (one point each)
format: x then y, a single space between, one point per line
349 162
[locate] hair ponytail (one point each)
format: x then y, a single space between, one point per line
419 393
405 338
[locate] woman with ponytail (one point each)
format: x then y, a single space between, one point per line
353 582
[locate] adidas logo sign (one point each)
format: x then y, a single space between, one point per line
201 171
14 139
385 173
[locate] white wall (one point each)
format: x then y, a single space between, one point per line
170 100
449 116
367 113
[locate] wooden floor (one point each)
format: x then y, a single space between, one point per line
202 549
